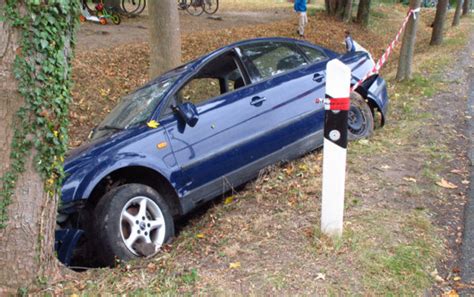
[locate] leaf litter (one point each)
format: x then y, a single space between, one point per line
271 224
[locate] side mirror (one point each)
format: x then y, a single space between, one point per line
188 112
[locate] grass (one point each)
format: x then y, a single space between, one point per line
389 246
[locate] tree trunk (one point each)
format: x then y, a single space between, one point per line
408 45
165 36
363 12
27 241
438 24
466 7
347 17
340 8
116 4
331 6
457 14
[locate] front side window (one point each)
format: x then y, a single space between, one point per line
271 58
217 77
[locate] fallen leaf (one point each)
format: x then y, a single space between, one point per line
151 267
410 179
234 265
445 184
451 293
153 124
104 92
321 276
200 235
229 200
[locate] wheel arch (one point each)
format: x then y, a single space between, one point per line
373 90
139 175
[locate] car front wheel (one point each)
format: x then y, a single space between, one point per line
132 221
360 118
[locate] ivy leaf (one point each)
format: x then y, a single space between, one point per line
44 43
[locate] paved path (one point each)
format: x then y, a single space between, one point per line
467 258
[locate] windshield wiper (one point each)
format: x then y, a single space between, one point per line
107 127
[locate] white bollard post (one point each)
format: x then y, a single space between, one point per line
337 104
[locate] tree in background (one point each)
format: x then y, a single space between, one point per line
408 45
36 39
457 14
116 4
165 36
342 9
363 12
438 24
466 7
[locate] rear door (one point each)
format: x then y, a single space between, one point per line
289 81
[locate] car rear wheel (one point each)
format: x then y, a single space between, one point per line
132 221
360 118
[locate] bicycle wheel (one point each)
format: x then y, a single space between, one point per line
195 7
89 4
133 6
182 4
211 6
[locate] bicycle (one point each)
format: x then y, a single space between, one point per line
197 7
133 7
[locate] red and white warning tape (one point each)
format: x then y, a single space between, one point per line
388 51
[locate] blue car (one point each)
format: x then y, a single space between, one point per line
195 132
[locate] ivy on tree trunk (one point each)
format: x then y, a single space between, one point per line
36 37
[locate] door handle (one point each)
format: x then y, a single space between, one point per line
318 77
257 101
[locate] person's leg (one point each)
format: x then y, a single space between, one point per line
301 23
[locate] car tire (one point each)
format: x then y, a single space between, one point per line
360 118
131 221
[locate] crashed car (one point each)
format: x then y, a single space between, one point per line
195 132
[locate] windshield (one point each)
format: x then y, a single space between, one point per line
137 107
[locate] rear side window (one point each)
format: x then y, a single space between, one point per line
271 58
313 54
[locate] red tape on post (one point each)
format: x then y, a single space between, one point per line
337 103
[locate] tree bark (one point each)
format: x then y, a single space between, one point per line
408 45
27 242
342 9
347 17
116 4
457 14
466 7
363 12
438 24
165 36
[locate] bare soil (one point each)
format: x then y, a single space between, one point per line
264 239
135 30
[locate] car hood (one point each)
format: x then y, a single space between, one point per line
96 147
